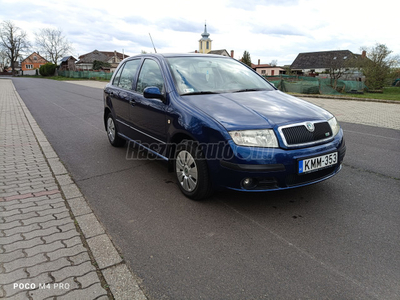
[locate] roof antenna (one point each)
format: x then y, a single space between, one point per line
152 43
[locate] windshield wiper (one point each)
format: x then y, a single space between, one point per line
249 90
199 93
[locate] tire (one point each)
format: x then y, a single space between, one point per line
191 171
112 132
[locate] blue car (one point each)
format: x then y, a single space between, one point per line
219 125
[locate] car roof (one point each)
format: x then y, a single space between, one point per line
166 55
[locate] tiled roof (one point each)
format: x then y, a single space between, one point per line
38 58
100 56
66 58
111 54
261 66
219 52
320 60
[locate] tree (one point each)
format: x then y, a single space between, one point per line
288 71
53 44
3 60
337 67
379 68
246 58
47 69
97 64
13 41
274 63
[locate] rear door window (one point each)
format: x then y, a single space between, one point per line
126 75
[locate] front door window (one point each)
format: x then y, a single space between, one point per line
150 75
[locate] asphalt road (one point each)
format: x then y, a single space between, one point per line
339 239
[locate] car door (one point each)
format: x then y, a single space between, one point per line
148 115
121 93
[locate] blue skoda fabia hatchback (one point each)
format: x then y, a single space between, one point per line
220 125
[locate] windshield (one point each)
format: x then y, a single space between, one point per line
207 75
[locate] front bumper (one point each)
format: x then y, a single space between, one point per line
269 169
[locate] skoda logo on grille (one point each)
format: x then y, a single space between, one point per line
310 127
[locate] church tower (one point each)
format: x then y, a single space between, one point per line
205 41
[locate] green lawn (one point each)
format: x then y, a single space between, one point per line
389 93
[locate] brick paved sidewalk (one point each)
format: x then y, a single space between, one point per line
361 112
51 244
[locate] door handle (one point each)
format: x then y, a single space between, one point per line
132 102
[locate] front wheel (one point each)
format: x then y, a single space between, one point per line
112 132
191 171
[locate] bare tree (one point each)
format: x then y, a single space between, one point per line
336 69
274 63
53 44
13 41
338 65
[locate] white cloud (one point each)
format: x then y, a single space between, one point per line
269 30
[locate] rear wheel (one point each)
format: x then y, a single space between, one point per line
112 132
191 171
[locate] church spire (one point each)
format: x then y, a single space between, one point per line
205 34
205 41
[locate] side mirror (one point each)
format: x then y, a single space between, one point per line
153 92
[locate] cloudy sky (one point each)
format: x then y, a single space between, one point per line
269 29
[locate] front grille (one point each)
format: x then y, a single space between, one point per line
299 134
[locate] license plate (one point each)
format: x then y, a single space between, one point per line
317 163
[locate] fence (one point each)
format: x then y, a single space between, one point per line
313 85
86 74
285 83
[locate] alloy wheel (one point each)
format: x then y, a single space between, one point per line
186 171
111 129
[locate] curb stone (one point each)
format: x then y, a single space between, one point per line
113 270
345 98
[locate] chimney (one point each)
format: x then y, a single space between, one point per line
258 61
232 52
364 54
195 51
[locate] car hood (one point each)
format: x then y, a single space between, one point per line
256 110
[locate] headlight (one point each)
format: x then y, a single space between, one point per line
334 126
255 138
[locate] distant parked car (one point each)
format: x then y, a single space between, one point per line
220 125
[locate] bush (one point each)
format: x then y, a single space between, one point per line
97 64
47 69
